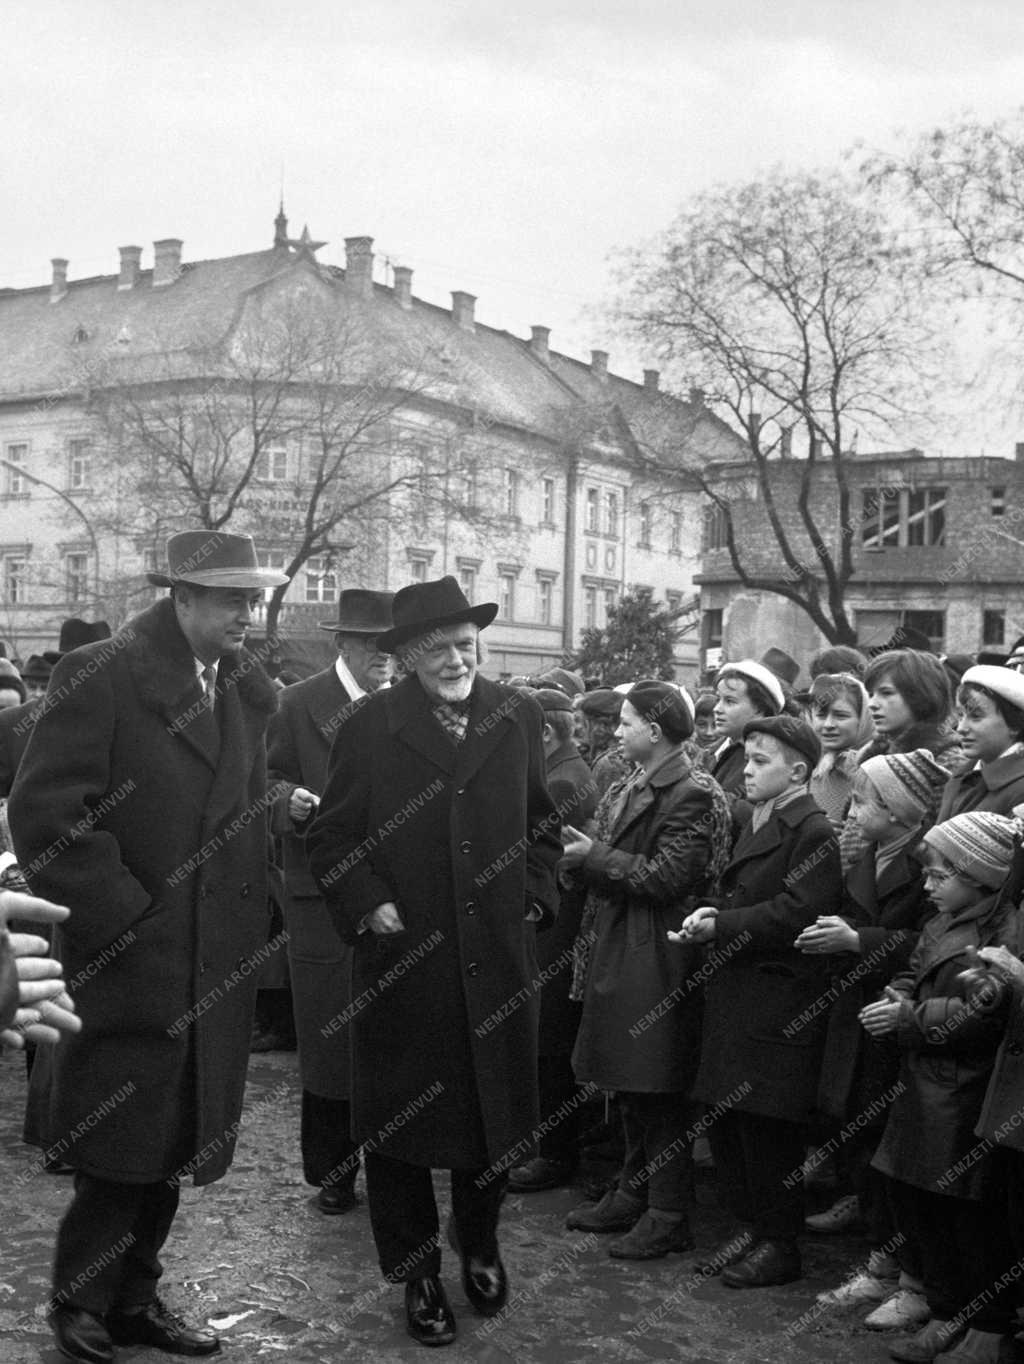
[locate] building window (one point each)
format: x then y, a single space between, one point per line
469 487
16 483
645 525
545 600
611 514
611 597
674 600
79 465
15 579
714 528
590 520
321 581
590 608
275 559
993 628
930 623
467 581
997 505
76 577
893 517
418 570
507 596
675 538
547 501
511 492
273 465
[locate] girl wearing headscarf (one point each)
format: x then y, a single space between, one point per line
842 721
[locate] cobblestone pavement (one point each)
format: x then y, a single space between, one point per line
252 1255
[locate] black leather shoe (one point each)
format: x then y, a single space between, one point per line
336 1198
484 1282
80 1335
730 1252
429 1318
768 1264
161 1329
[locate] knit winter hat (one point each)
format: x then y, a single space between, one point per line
1005 682
908 783
979 844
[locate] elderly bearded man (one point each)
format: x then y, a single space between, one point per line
435 845
300 739
141 803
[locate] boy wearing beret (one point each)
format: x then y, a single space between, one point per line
763 1017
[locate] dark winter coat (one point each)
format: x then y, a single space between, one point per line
765 1003
947 1052
299 743
888 915
727 770
1002 1113
996 787
16 725
640 1030
572 788
124 811
464 840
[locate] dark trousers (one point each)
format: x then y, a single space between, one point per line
403 1215
558 1091
109 1242
329 1155
658 1168
963 1249
758 1161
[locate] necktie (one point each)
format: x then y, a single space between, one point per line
209 676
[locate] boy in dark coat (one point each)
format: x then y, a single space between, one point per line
763 1020
948 1044
659 846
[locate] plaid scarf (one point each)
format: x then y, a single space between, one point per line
453 717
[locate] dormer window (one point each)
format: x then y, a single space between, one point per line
80 336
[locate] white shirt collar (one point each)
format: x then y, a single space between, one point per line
347 680
200 667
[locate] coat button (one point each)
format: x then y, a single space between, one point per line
243 890
1015 1048
472 968
470 907
460 790
465 846
204 966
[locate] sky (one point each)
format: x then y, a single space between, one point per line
499 147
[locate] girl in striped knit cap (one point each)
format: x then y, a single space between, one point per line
947 1038
884 906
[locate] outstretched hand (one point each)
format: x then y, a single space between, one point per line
34 1005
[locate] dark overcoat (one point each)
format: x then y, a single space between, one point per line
124 810
997 787
947 1052
16 724
887 913
464 840
574 792
640 1030
1002 1113
766 1003
299 744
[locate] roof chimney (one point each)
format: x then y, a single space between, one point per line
131 259
403 286
166 261
652 377
539 337
59 283
462 309
359 264
599 363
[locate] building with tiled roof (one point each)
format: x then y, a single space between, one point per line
571 504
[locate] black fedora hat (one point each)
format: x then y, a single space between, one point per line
361 612
36 669
213 558
75 632
422 607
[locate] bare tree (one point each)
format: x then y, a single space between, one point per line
797 314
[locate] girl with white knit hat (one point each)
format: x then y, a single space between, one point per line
948 1041
991 728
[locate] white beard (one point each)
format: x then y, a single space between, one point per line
455 691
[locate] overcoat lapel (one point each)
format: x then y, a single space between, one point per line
325 704
491 714
409 717
756 844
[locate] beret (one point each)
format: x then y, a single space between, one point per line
788 730
748 667
550 698
663 703
602 703
1005 682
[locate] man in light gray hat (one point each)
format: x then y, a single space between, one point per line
300 739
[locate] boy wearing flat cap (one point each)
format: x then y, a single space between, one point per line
762 1037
